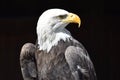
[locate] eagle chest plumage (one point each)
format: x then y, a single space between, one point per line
53 65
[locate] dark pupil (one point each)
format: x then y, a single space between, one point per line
62 16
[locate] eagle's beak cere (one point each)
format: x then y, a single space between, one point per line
72 18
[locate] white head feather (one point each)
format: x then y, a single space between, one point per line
50 29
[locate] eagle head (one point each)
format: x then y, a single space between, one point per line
51 27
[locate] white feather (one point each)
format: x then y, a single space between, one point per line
81 69
47 34
50 41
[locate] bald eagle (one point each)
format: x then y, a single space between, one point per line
56 55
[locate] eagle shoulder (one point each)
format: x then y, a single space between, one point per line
27 62
79 62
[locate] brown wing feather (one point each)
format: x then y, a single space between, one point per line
80 63
27 62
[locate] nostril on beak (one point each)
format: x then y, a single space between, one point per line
71 16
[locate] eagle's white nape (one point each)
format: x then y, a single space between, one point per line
47 36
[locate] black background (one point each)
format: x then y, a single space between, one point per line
99 32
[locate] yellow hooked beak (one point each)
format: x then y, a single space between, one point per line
72 18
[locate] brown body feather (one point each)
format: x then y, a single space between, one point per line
53 65
58 64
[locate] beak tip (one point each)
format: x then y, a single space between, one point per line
79 25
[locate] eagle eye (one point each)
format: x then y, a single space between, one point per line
62 16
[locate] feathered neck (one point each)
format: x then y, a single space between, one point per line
46 40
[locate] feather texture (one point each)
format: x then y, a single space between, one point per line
27 62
